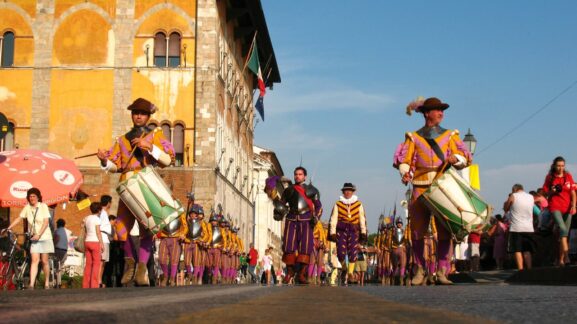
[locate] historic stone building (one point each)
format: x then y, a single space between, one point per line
267 231
69 69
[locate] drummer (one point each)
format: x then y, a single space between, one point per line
150 149
418 160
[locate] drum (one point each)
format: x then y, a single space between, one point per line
458 207
149 199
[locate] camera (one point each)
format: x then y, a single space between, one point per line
557 188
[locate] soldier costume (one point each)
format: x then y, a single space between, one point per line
400 243
318 255
216 245
170 249
419 159
348 227
301 206
161 153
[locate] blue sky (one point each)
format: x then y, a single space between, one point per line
349 68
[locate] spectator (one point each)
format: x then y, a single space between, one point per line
560 190
266 265
520 208
61 236
252 262
37 214
361 264
106 230
93 246
113 270
474 251
499 233
243 259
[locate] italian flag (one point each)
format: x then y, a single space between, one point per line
254 66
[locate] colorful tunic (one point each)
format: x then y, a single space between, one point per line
347 220
417 157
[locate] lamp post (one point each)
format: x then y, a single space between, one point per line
471 142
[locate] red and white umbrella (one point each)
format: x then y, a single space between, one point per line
56 178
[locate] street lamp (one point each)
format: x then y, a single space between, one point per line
470 141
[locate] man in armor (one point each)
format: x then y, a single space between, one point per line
150 148
347 226
303 212
419 159
191 244
400 243
227 246
216 245
170 249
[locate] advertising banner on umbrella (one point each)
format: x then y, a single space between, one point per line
56 178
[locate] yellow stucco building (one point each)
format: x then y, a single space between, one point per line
69 69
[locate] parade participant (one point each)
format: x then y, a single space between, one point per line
418 160
194 243
387 265
318 255
430 251
170 249
239 251
149 147
305 209
226 249
348 225
219 247
232 254
560 189
400 242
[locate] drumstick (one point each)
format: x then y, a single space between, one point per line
133 150
85 156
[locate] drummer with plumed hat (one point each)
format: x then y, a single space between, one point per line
348 226
130 153
419 158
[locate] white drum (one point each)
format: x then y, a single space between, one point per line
456 205
149 199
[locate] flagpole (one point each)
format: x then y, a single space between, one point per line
249 52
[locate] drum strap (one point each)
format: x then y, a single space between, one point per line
433 144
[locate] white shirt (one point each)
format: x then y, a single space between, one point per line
105 226
521 213
91 222
35 217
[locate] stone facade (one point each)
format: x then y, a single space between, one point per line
267 231
70 87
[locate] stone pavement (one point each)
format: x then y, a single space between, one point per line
490 300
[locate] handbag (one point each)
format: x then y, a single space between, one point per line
28 239
79 241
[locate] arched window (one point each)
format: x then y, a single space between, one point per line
7 49
7 143
166 132
178 143
160 49
152 125
167 49
174 50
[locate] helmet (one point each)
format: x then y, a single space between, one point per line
197 209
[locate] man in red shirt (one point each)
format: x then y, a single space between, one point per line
252 261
